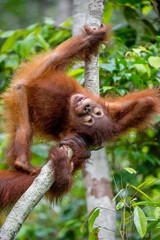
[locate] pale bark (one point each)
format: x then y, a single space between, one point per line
79 15
64 10
96 174
94 20
99 194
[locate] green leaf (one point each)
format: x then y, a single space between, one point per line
12 62
76 72
116 78
94 234
120 91
145 149
2 58
89 215
143 49
117 194
67 23
49 21
142 69
140 221
92 219
140 191
154 61
43 42
120 205
7 34
110 67
145 203
107 88
137 50
157 213
130 170
127 217
31 27
27 45
149 181
147 9
9 43
152 225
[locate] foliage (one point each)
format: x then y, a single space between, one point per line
91 219
18 45
131 61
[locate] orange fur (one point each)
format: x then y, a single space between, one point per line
42 99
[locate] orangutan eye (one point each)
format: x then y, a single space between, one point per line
98 112
88 120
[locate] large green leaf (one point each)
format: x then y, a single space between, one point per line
43 42
26 45
145 203
110 67
9 43
7 34
154 61
142 69
140 221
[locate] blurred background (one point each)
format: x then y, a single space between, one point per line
130 61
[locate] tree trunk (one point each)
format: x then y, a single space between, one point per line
96 175
79 15
99 194
64 10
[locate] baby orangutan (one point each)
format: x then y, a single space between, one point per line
43 99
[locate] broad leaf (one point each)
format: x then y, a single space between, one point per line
140 221
145 203
154 61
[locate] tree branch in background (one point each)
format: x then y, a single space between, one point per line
96 176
